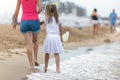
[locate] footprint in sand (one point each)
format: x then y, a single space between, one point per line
17 51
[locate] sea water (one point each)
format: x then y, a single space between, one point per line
86 63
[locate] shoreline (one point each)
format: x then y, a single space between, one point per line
100 63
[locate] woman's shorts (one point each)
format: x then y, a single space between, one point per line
95 21
29 26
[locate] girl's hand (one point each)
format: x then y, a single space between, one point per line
42 22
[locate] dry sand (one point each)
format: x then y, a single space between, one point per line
13 59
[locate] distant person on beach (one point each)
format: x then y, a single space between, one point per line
29 27
95 21
112 18
53 40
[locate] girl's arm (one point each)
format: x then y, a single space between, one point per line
60 29
39 6
16 14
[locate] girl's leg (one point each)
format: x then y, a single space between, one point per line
46 62
35 47
29 48
57 60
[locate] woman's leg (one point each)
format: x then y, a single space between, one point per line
46 61
35 47
93 29
29 48
96 30
57 60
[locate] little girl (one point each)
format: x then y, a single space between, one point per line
52 43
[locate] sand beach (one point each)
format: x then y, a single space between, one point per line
13 59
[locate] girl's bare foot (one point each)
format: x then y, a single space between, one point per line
58 71
45 69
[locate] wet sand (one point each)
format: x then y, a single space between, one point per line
13 59
15 67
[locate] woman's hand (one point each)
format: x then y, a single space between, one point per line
14 26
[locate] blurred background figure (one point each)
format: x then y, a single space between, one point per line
94 21
112 18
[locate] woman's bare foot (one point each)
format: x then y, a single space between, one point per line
31 67
36 63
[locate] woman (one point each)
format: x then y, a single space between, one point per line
95 21
29 27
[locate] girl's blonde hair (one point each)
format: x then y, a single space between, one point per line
51 10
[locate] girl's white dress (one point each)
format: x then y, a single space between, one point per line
52 43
